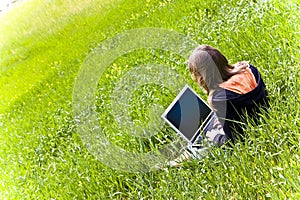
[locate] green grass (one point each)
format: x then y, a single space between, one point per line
42 46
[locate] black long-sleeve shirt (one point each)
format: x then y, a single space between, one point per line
232 108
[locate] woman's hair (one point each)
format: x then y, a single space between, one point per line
210 68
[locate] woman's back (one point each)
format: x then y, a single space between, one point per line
232 106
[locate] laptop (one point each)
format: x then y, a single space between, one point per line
189 116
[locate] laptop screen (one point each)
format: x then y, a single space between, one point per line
187 113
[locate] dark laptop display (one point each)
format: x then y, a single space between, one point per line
188 114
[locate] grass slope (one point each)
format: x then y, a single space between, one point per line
43 44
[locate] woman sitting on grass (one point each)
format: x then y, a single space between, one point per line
234 91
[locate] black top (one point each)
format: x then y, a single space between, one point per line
232 107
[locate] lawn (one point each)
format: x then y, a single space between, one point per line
44 47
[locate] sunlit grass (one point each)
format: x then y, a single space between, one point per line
43 44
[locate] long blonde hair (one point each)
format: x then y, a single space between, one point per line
210 68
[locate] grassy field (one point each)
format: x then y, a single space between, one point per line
44 43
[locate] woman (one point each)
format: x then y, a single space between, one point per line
234 91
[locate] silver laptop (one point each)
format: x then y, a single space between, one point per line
189 116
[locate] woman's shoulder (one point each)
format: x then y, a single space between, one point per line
222 94
242 82
245 65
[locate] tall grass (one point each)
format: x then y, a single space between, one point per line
43 44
